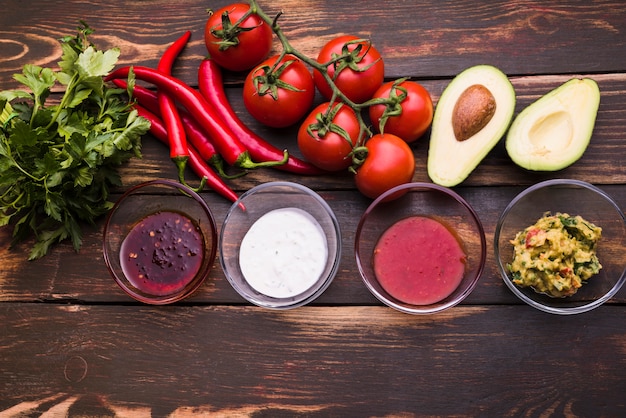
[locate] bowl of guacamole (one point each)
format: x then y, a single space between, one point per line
560 246
556 255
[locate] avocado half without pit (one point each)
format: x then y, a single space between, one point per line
472 115
553 132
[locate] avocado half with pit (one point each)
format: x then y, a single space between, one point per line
554 132
472 115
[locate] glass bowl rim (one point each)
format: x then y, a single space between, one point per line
502 269
416 309
166 299
319 286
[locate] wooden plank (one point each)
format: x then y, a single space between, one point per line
425 40
605 150
55 277
74 345
63 275
33 40
497 169
360 361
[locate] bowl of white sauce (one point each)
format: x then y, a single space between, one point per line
280 245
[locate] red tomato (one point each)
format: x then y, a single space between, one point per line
319 140
411 114
357 76
282 96
389 163
237 48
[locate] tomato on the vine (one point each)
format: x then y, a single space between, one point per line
279 94
411 113
389 163
328 135
357 75
234 45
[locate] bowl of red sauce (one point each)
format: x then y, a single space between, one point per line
160 241
280 245
423 250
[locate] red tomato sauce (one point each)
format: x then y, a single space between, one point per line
162 253
419 261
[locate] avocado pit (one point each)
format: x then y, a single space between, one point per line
472 112
471 116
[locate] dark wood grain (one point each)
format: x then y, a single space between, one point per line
605 149
73 344
84 278
420 39
366 361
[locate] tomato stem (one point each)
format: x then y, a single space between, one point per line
347 59
359 154
211 86
229 34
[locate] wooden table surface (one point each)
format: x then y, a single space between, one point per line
72 343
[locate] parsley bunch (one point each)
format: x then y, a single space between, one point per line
58 161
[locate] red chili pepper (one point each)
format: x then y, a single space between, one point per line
204 146
211 86
227 143
197 164
145 97
169 113
196 135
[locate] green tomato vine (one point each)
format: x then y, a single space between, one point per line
347 59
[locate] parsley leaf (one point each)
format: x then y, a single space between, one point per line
58 161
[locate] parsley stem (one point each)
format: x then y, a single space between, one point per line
26 173
12 204
69 91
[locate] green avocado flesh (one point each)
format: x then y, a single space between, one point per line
553 132
450 160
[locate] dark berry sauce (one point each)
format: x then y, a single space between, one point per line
162 253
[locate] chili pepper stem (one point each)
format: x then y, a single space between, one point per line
218 164
211 87
197 164
245 161
181 165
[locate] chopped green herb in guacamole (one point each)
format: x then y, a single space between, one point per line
556 255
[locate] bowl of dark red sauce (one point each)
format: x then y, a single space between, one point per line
160 241
420 248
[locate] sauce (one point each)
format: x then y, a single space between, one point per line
556 255
162 253
283 253
419 261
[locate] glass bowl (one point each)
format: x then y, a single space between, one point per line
573 197
443 220
160 241
280 245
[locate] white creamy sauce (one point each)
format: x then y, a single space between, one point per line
284 253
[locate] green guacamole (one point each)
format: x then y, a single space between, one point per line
556 255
